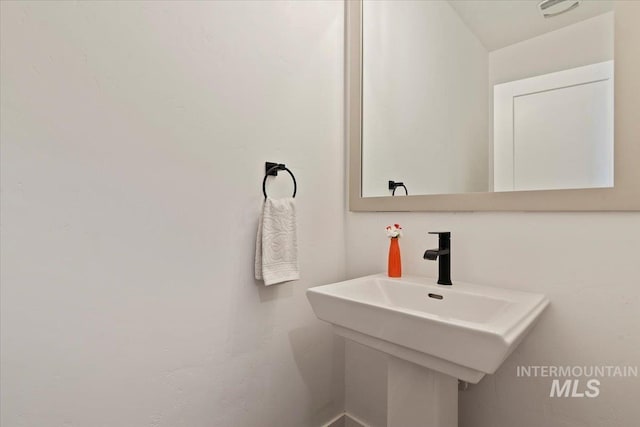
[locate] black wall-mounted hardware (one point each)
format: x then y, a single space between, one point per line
271 169
393 185
268 166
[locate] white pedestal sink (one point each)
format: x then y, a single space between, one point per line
435 334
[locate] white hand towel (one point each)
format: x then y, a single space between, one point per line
276 242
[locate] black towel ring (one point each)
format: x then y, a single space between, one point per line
393 185
406 192
272 169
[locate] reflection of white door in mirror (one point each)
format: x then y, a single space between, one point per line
555 131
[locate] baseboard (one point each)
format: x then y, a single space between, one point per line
351 421
345 420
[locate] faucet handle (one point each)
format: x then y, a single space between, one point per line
445 234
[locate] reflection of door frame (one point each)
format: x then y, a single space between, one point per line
503 116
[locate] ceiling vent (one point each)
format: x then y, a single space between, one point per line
552 8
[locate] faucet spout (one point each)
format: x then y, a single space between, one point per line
433 254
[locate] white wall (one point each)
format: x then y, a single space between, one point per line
586 42
134 137
424 100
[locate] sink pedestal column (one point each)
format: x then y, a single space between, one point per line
420 397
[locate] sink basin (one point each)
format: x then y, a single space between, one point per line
464 331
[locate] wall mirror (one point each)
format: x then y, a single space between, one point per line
490 105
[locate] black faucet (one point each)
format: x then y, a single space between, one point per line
444 252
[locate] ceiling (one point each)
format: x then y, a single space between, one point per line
500 23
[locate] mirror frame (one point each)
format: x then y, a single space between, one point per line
624 196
